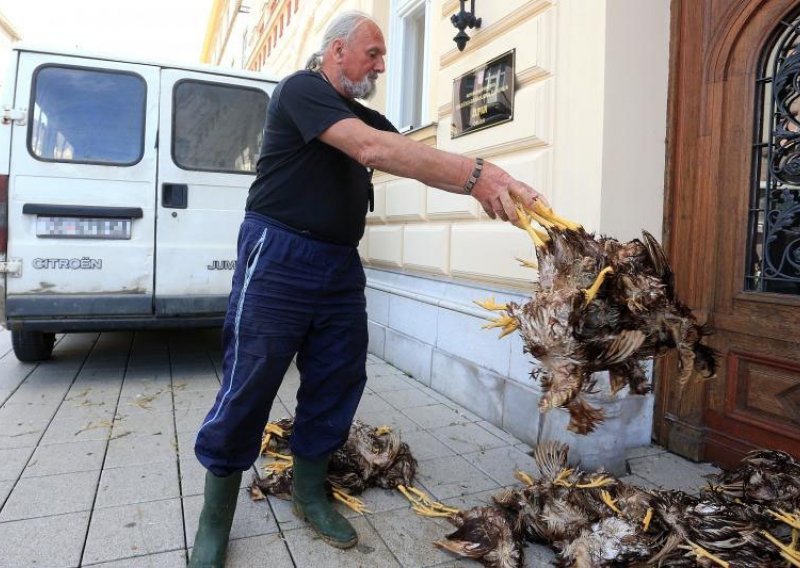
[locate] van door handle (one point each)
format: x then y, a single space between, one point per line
175 195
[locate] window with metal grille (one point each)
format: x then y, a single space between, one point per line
773 247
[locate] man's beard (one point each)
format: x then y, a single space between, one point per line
363 89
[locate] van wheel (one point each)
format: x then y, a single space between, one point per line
32 346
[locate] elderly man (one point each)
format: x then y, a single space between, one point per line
298 288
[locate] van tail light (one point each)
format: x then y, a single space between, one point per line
3 215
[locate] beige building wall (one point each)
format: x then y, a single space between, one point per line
477 247
228 33
588 132
634 130
284 33
8 37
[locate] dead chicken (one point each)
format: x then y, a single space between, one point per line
371 457
611 541
765 491
488 535
590 519
599 305
707 532
770 477
593 520
552 509
555 507
622 525
643 282
485 534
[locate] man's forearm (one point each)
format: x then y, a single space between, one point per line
395 154
496 191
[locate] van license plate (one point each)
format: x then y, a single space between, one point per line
83 228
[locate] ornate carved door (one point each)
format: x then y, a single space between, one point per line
733 224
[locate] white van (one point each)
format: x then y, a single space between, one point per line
122 186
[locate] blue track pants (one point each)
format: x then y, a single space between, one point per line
291 294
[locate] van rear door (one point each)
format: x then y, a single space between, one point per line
81 199
211 129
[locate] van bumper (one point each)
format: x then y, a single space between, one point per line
106 312
56 325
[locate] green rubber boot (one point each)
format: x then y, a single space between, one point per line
214 528
310 503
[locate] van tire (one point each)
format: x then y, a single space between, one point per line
32 346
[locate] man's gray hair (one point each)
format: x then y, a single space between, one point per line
342 27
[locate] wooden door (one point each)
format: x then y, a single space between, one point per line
732 224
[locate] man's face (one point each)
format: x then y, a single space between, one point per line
362 60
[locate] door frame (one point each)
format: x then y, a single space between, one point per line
703 59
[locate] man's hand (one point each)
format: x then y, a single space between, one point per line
498 194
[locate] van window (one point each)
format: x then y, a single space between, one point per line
217 127
87 115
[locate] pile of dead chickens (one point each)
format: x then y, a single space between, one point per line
749 517
371 457
599 305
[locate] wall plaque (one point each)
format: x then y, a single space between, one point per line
484 96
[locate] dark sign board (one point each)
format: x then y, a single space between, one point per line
484 96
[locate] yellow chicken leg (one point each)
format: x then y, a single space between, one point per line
545 216
524 477
265 444
273 428
599 481
349 501
510 328
506 322
788 518
424 505
278 456
548 214
701 552
610 501
647 518
490 304
551 216
525 223
791 554
591 292
546 223
276 466
528 263
562 478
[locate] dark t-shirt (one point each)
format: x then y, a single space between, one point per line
301 181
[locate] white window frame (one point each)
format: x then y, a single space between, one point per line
399 52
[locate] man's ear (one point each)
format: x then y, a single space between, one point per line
337 47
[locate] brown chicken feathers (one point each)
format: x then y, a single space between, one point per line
600 305
371 457
749 517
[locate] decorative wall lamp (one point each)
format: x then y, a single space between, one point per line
463 20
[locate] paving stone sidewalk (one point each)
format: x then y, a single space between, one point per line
97 468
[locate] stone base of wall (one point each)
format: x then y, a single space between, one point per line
431 330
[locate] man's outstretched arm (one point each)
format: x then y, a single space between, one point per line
393 153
